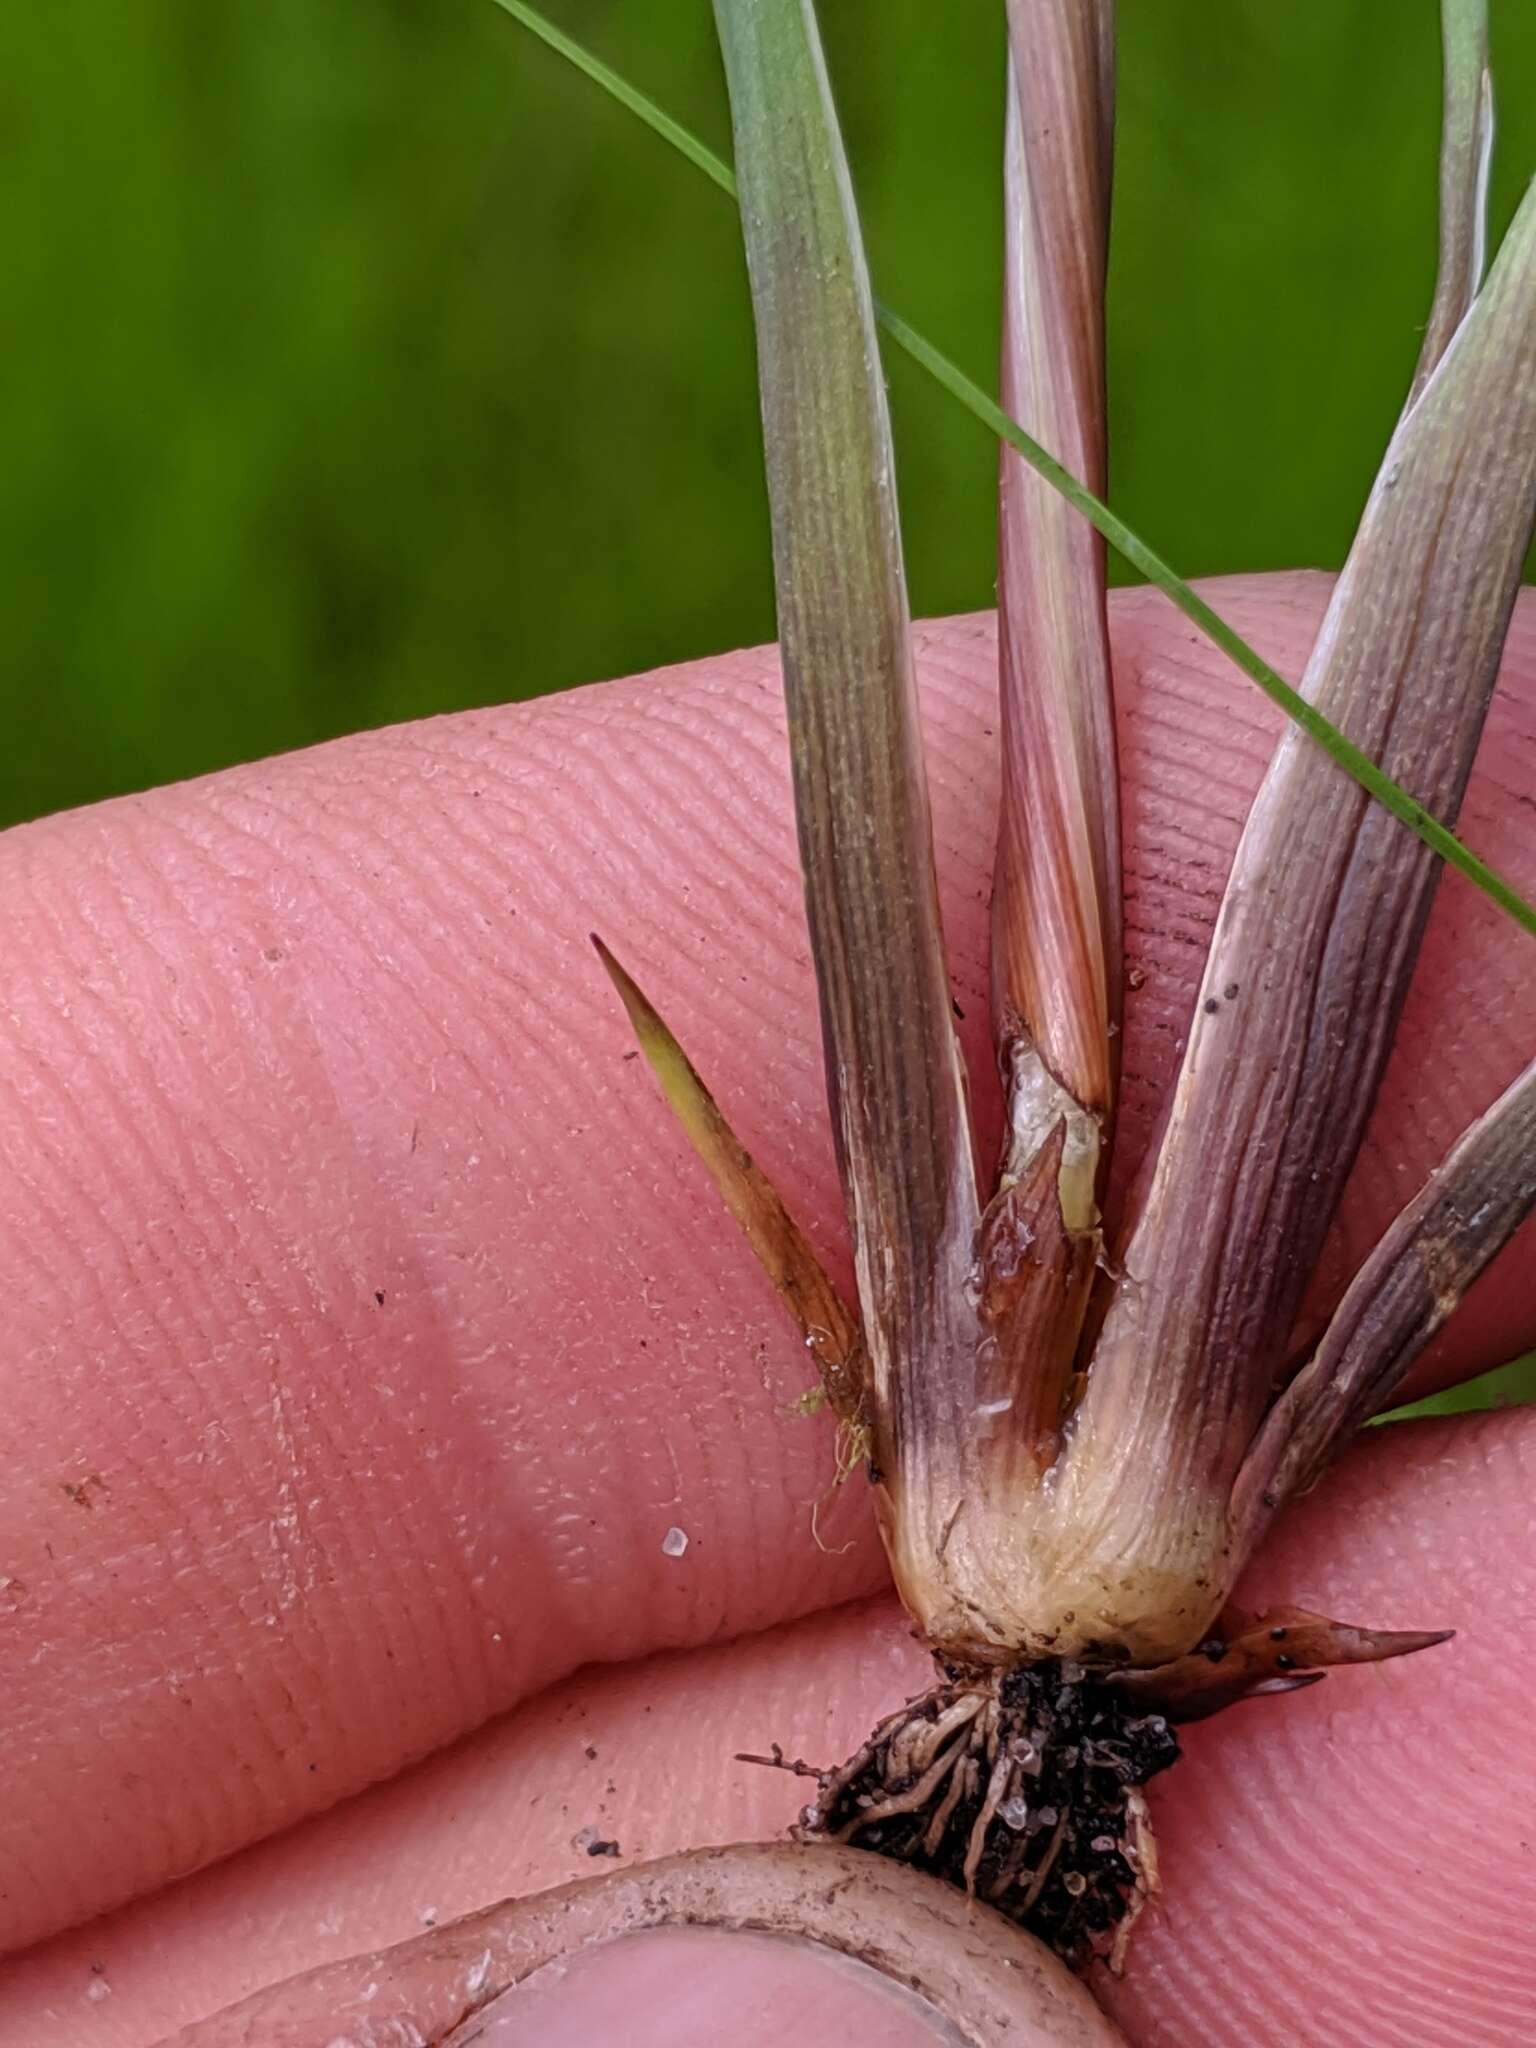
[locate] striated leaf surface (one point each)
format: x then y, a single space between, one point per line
1321 921
894 1077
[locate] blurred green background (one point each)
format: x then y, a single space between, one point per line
366 362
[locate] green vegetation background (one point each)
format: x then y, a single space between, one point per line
365 362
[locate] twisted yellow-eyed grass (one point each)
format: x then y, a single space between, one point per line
1075 1439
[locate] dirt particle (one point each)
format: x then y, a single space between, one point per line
590 1841
378 1295
1210 1006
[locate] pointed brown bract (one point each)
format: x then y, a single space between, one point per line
1249 1656
831 1333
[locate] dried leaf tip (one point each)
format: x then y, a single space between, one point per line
830 1332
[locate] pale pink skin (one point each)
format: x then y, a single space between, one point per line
328 1027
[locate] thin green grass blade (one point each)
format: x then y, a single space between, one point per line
686 144
1128 545
1507 1386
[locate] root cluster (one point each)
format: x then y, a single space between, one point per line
1024 1788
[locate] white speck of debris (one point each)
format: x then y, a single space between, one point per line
478 1974
674 1543
97 1990
584 1838
995 1407
429 1916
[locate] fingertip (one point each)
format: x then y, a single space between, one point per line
756 1944
689 1987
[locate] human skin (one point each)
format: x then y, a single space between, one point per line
370 1326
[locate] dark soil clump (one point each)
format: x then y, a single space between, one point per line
1023 1788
